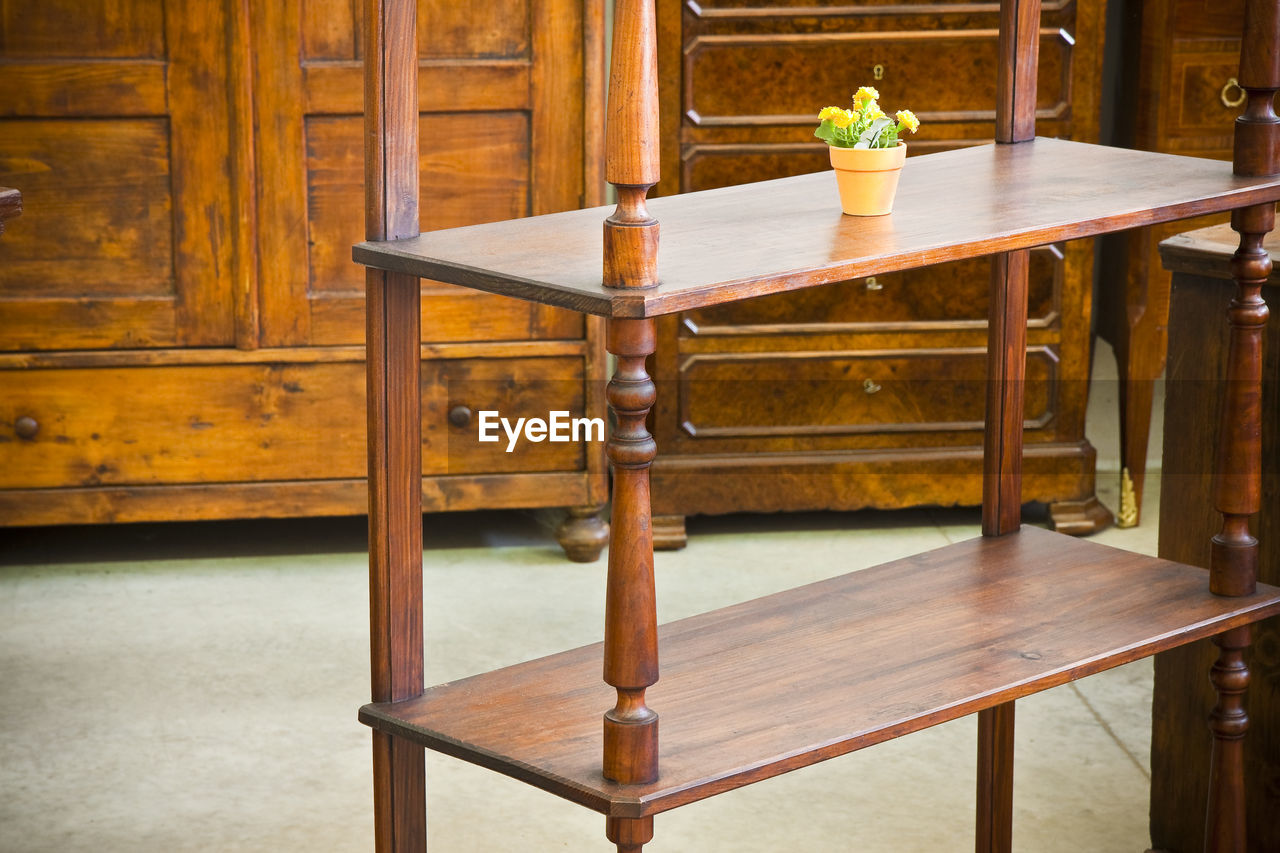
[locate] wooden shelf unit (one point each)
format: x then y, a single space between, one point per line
771 685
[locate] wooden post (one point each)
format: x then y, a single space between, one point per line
393 342
1233 558
631 261
1019 51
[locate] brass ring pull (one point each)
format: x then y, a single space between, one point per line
870 386
1228 101
872 284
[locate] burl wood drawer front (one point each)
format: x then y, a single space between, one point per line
1204 97
909 394
255 422
762 79
950 295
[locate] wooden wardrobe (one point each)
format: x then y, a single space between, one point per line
181 325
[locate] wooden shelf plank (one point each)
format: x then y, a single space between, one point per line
731 243
771 685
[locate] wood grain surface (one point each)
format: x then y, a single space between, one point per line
819 671
773 236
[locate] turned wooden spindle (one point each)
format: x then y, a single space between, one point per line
631 147
1233 560
631 627
631 261
631 622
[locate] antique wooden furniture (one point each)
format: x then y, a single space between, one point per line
1178 92
745 419
775 684
178 313
1200 263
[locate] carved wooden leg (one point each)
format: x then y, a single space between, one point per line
631 622
583 534
1080 518
1137 395
630 834
669 533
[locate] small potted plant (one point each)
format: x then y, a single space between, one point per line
867 152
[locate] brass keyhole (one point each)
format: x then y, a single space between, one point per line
877 71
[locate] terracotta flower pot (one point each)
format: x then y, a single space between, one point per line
868 178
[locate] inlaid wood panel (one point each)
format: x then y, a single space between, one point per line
942 296
114 122
264 422
864 394
763 78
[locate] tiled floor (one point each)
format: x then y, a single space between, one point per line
193 687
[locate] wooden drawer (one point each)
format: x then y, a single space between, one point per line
1198 117
263 422
912 394
942 296
942 76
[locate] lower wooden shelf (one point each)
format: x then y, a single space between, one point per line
767 686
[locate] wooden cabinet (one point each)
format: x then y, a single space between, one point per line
860 394
1178 93
179 313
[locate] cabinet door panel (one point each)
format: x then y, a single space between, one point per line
501 95
113 124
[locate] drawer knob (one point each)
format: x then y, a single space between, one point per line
1228 99
872 284
460 416
26 427
870 386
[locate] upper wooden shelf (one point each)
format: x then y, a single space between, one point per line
781 682
721 245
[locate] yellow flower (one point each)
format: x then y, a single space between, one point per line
842 118
828 112
908 119
873 112
864 96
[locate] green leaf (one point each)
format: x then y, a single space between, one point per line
827 131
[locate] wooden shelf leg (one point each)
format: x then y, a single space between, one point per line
1237 490
631 620
1233 555
995 780
630 834
1225 826
395 549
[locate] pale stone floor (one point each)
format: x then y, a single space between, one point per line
194 687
